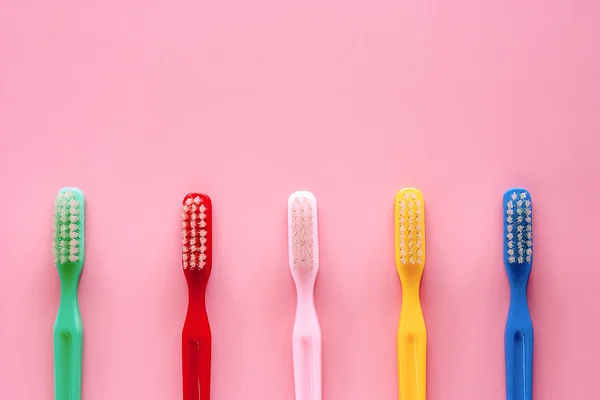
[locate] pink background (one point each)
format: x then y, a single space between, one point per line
139 102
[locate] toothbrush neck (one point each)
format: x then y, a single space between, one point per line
411 286
197 294
519 308
306 294
68 288
518 281
68 306
518 293
411 296
306 299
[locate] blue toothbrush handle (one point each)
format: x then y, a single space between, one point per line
518 345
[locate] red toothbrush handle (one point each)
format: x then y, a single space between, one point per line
189 357
204 377
196 357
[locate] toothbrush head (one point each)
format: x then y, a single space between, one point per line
409 216
196 233
518 234
68 229
303 238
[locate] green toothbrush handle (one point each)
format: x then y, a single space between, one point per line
68 350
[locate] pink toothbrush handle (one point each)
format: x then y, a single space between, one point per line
307 367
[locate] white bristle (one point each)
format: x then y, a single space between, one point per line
194 251
518 230
303 232
67 229
410 239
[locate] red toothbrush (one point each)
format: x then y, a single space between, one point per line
196 254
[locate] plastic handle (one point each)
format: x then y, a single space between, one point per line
307 367
196 356
68 350
411 365
412 347
518 345
196 350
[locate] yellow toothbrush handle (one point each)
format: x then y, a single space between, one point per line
412 358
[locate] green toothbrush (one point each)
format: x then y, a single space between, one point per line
67 249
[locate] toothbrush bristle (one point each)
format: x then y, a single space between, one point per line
195 231
410 228
518 233
67 227
303 231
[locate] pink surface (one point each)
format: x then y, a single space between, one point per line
138 103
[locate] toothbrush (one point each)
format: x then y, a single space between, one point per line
304 264
196 254
410 260
518 257
68 253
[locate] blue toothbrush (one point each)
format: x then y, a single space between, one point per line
518 257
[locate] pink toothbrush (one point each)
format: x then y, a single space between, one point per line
304 264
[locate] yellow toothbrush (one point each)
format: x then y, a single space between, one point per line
409 222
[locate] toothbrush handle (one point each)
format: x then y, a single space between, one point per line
412 349
68 352
196 359
307 355
204 359
519 361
